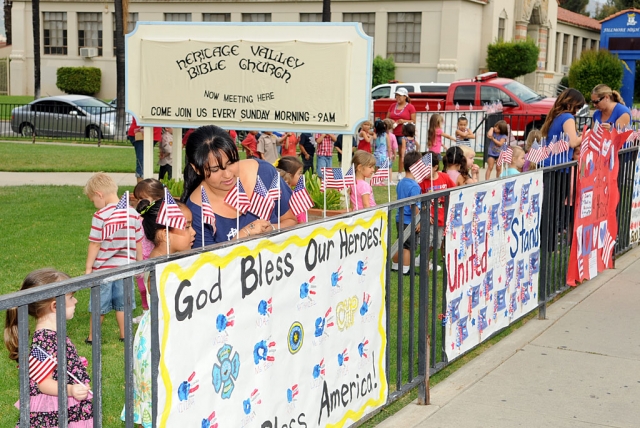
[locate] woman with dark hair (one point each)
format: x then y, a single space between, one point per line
212 161
561 120
610 108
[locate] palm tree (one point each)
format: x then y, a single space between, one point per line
36 47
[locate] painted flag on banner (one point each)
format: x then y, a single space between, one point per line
350 177
584 145
537 153
208 217
422 168
506 156
300 201
237 198
274 189
381 175
118 218
607 250
41 364
333 179
170 214
261 203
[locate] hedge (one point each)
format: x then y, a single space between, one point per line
593 68
383 70
513 59
79 80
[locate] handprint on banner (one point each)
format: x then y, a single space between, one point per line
307 289
224 374
322 324
361 269
186 391
362 348
265 309
264 350
366 301
292 393
223 321
336 277
210 422
343 358
248 405
319 370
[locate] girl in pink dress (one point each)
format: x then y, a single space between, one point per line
43 386
436 122
362 194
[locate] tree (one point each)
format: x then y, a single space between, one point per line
36 47
120 77
513 59
593 68
614 6
577 6
384 70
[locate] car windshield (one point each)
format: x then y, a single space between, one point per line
94 106
520 91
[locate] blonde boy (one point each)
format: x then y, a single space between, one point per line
110 251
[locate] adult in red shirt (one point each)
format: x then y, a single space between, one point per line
250 145
135 135
289 145
401 112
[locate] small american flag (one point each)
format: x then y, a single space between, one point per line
350 177
261 204
332 179
170 214
381 175
607 251
41 364
238 198
422 169
537 154
274 189
118 218
560 147
506 156
300 201
208 216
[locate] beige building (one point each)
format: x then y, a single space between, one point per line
431 40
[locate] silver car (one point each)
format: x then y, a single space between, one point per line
68 116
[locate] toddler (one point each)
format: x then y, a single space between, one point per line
436 122
517 162
290 169
473 170
497 136
534 136
463 133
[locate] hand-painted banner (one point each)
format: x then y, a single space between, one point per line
284 331
634 231
595 227
492 257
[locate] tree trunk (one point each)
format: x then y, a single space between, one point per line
120 32
326 10
7 20
36 48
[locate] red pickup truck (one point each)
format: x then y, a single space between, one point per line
523 109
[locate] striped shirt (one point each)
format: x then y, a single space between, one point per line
324 148
463 141
113 250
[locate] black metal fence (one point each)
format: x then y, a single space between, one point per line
415 301
63 120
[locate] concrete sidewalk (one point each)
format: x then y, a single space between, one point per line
578 368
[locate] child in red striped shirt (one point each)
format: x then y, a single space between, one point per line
106 252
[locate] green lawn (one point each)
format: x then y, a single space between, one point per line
61 158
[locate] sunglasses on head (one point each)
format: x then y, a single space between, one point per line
595 102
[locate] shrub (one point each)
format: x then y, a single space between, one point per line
513 59
79 80
313 185
383 70
565 81
175 187
593 68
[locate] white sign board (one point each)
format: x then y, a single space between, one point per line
634 227
279 331
492 257
267 76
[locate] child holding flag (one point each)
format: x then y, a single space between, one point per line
43 378
290 169
115 240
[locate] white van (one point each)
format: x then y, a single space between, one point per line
388 90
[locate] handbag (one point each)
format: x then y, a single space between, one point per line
139 136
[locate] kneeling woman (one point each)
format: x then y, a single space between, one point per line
212 161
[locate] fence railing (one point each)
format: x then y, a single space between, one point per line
415 301
62 120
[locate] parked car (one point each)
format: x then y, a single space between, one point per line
67 116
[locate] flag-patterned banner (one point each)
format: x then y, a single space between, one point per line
274 190
170 214
118 218
350 177
208 217
506 156
381 175
41 364
261 203
238 198
332 179
422 169
300 201
607 251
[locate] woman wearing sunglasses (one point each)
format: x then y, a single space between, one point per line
610 108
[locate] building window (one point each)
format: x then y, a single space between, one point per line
177 17
403 36
310 17
565 49
132 19
256 17
585 44
55 33
574 54
90 31
368 21
501 25
216 17
594 45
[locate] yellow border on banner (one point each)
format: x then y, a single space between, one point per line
243 251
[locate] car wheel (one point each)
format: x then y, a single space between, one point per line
93 132
26 130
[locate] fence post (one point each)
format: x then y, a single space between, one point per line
424 395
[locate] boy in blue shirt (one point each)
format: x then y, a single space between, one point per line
406 188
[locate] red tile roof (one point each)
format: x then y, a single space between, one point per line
620 13
578 20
